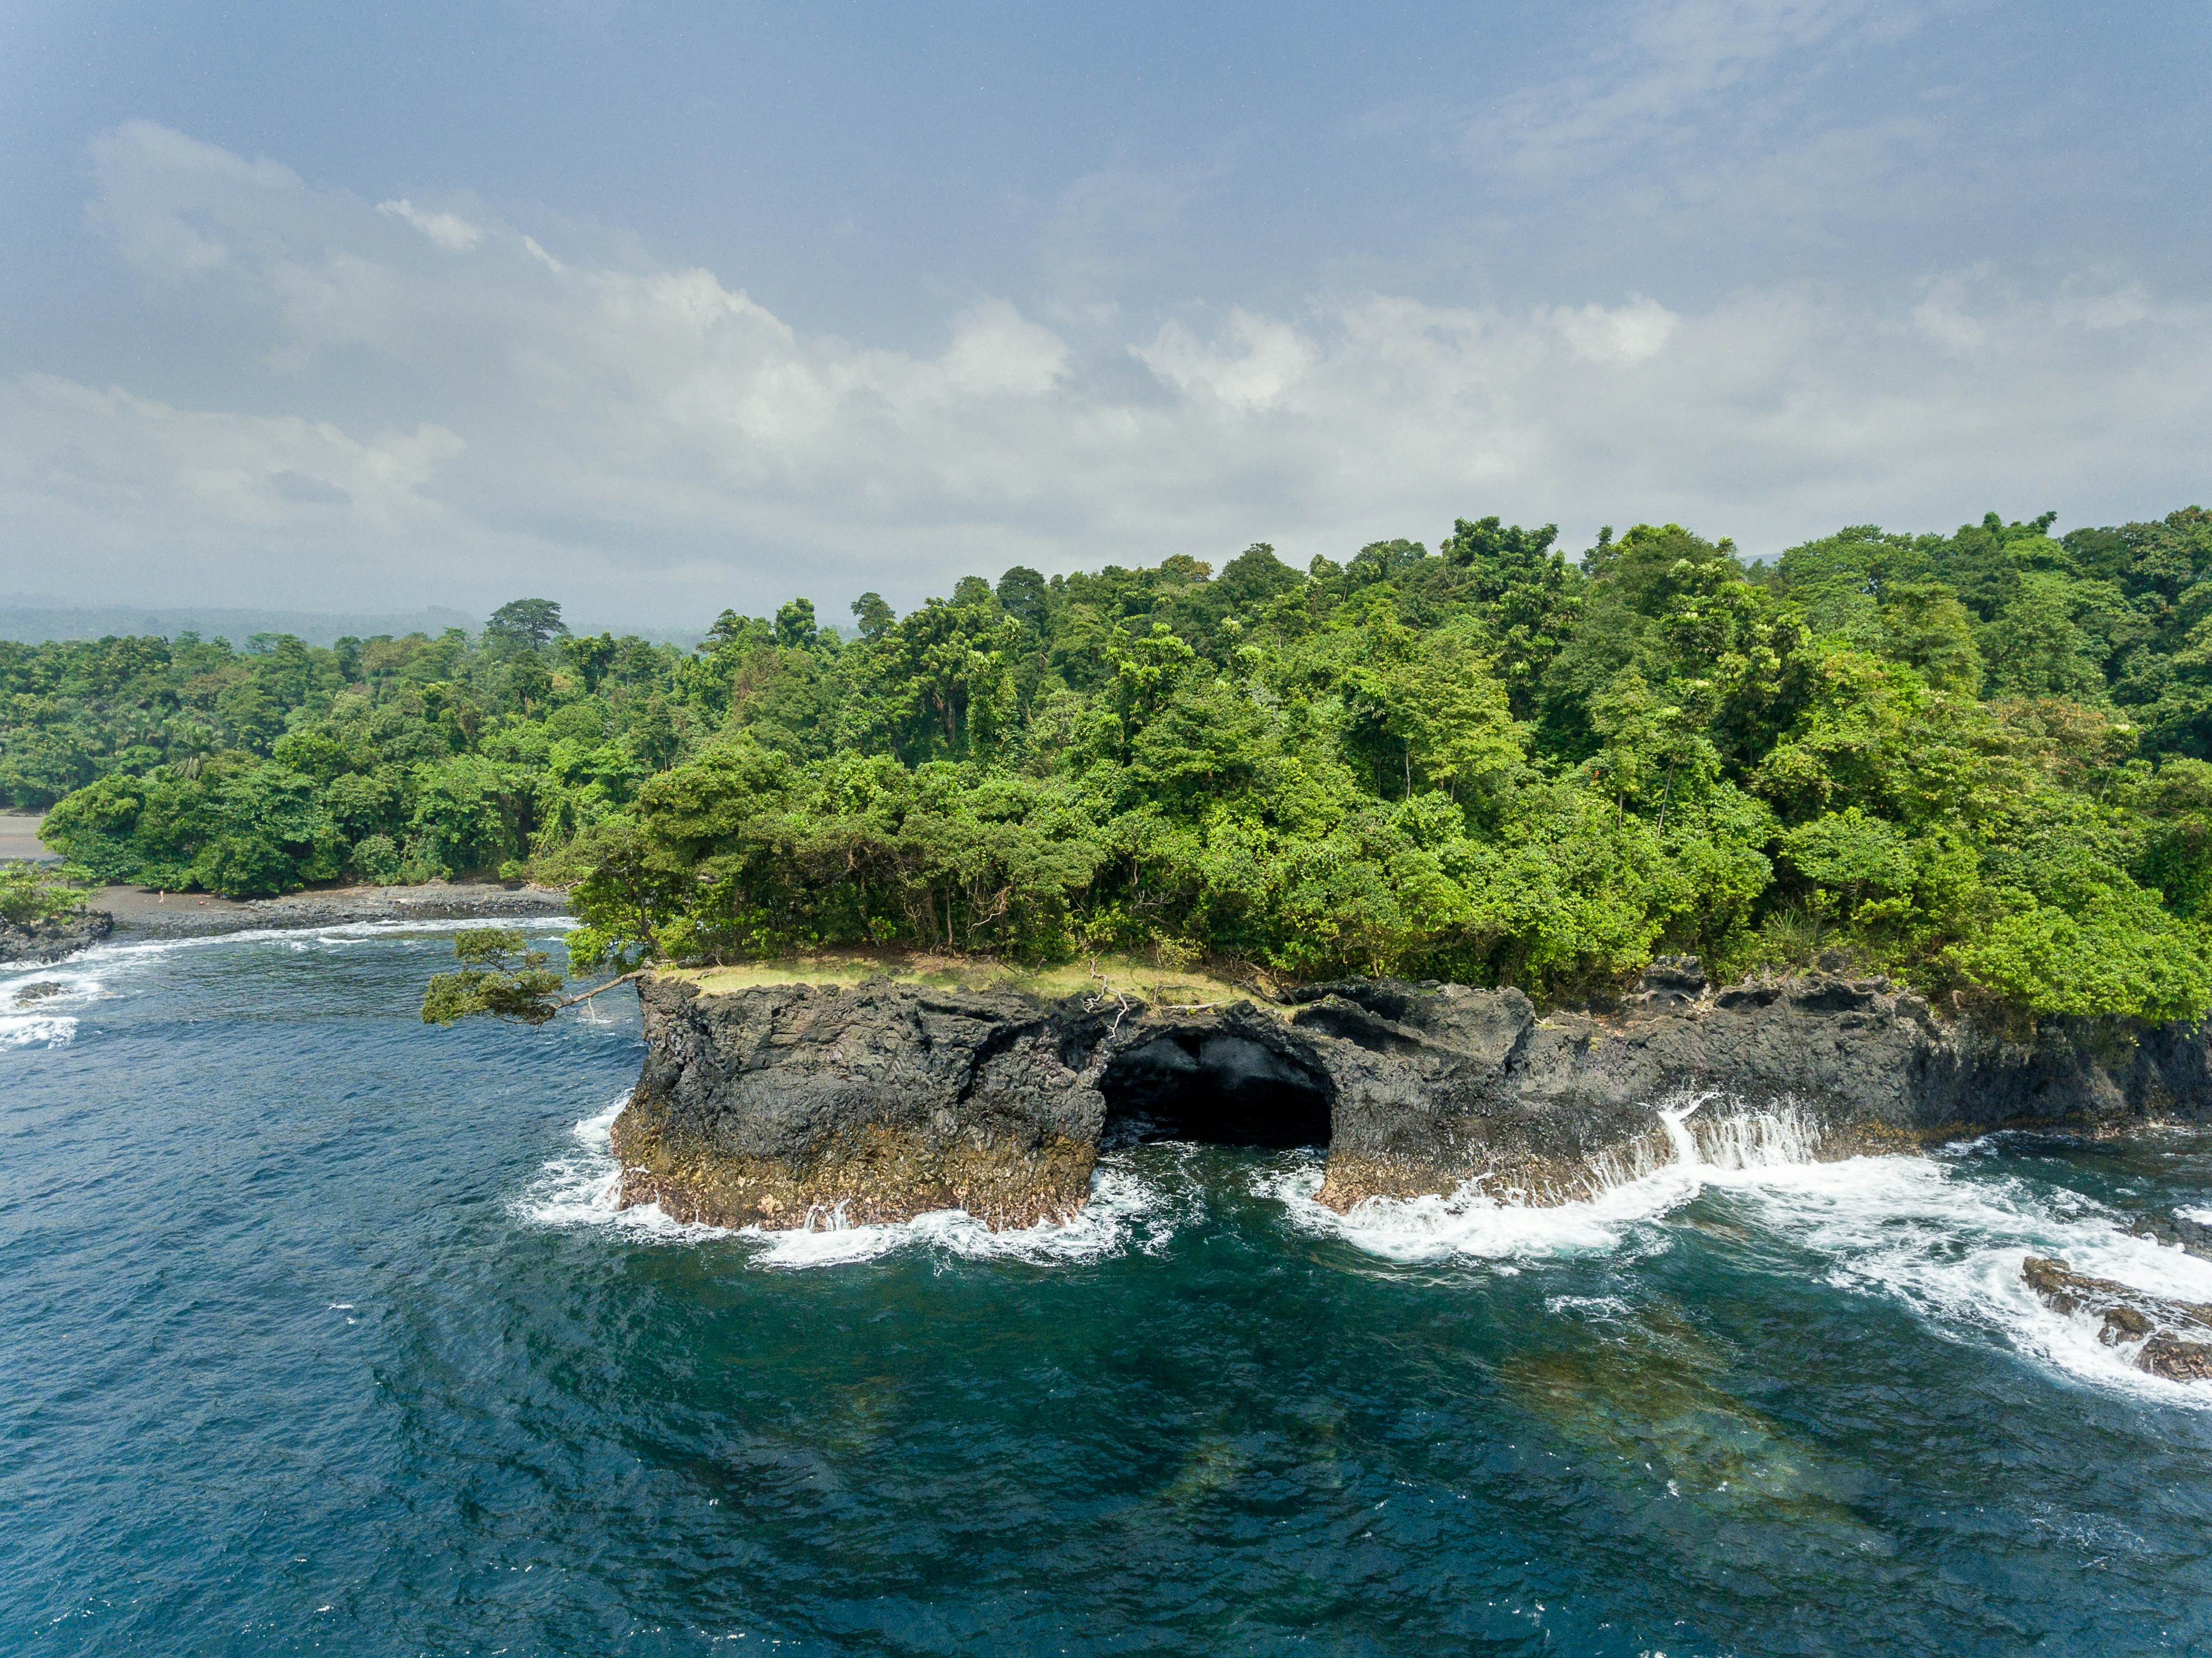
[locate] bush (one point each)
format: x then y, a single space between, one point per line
29 896
376 860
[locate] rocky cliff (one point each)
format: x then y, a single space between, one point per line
772 1105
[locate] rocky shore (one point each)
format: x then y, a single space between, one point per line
49 941
130 913
781 1105
144 915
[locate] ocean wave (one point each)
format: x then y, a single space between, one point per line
1946 1236
1476 1221
1125 1211
36 1030
42 1022
1948 1240
76 989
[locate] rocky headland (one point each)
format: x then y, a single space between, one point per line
781 1105
49 941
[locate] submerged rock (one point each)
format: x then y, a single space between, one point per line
50 941
2178 1230
786 1104
2175 1337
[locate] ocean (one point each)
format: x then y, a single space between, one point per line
322 1333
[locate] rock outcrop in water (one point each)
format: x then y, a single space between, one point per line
777 1105
2172 1338
50 941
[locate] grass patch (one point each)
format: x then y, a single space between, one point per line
1130 975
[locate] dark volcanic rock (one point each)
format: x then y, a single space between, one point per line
39 992
49 941
769 1105
1465 1082
2175 1337
876 1104
2193 1235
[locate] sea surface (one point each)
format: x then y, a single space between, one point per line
319 1332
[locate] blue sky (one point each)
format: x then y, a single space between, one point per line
658 308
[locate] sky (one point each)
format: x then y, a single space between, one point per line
656 309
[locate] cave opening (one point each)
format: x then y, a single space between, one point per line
1217 1089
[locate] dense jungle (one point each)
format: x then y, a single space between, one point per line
1981 762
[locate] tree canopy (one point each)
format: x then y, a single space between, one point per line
1981 762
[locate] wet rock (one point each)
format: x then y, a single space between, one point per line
2175 1337
39 992
50 941
2175 1359
2177 1231
776 1104
792 1104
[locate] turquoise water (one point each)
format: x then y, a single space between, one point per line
320 1334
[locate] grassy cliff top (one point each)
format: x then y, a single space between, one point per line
1130 975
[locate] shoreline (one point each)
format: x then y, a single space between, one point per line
141 915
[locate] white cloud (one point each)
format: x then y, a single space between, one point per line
653 443
449 230
1739 121
86 447
1254 363
1623 335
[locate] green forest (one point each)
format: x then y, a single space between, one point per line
1980 761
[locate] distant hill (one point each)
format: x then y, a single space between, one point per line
33 625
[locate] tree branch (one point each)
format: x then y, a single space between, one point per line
634 973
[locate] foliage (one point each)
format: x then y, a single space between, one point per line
499 975
31 894
1981 762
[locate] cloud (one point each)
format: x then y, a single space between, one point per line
1662 72
1624 335
450 231
650 442
1732 126
1253 363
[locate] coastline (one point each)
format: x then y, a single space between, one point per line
144 914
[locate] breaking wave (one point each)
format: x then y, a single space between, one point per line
1634 1188
334 935
43 1021
1947 1239
1944 1235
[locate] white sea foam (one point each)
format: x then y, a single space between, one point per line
331 935
1947 1239
1945 1236
44 1022
1125 1210
76 989
1634 1188
36 1030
